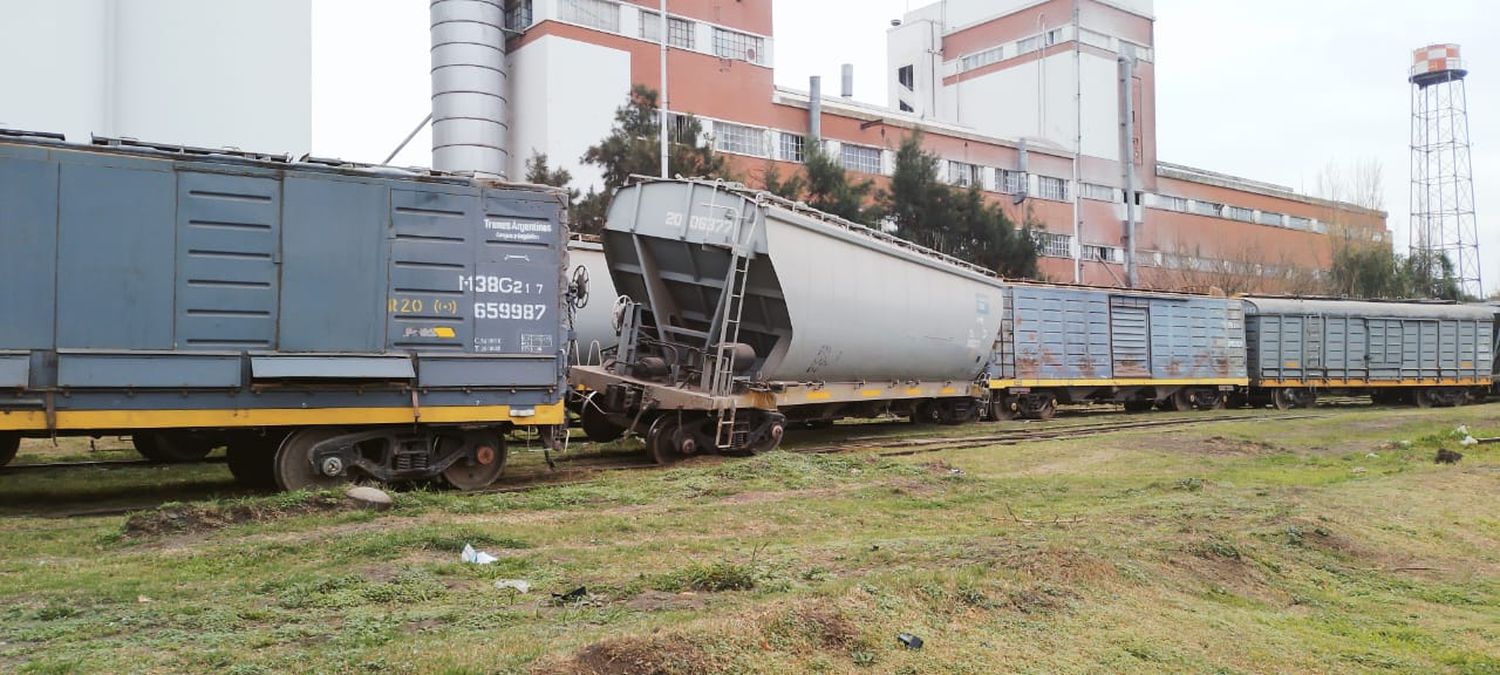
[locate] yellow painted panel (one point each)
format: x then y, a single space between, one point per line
819 395
79 420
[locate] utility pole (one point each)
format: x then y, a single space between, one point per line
664 131
1127 159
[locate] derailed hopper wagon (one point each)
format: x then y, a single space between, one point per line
746 313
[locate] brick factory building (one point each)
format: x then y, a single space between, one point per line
1023 98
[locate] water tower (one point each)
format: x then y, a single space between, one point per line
1442 181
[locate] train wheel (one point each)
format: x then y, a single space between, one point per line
926 412
1003 409
252 460
1181 401
1423 398
1236 401
1046 410
1211 400
172 446
293 466
661 440
1288 398
595 422
771 441
485 461
9 445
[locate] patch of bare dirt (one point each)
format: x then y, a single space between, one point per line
1219 445
1061 565
195 518
666 654
659 601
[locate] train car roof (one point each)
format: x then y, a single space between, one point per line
1365 308
129 147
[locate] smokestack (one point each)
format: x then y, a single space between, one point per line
848 91
469 127
815 109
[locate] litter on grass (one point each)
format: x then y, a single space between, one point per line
474 557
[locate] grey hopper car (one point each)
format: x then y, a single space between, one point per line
1420 353
1074 344
748 311
323 321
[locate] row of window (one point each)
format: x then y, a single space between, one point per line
681 33
997 54
1240 213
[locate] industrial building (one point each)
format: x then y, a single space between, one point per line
1020 97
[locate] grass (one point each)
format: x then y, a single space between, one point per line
1322 544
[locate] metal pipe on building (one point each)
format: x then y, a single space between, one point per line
815 110
1078 144
1127 158
848 90
469 128
664 131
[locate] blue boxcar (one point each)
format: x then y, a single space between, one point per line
1422 353
1075 344
320 320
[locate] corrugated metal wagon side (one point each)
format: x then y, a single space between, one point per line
1419 353
1067 344
747 312
322 321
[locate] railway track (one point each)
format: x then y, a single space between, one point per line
585 469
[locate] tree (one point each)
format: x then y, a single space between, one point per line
961 223
633 147
539 173
791 188
829 190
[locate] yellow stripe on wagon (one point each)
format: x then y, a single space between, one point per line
82 420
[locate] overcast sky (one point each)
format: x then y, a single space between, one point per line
1272 90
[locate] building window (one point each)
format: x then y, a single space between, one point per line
965 175
1268 218
907 108
1103 193
680 32
860 158
981 59
518 16
599 14
1054 245
1213 209
1010 182
907 76
678 126
1240 213
1029 45
729 44
1055 189
1299 223
1053 37
739 139
791 147
1169 203
1103 253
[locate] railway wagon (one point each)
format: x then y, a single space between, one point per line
746 312
1424 354
1067 344
593 324
323 321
